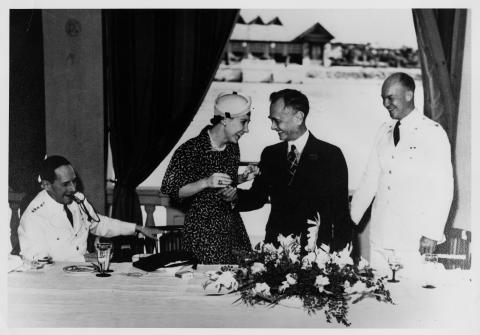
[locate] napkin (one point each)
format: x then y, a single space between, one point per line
14 262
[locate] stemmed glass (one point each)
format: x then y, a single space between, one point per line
394 264
103 258
430 262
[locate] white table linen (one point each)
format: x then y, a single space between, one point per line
50 297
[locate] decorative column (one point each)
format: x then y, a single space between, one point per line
74 119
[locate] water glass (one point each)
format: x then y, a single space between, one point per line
103 257
394 264
430 263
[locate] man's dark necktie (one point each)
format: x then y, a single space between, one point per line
69 214
396 133
292 162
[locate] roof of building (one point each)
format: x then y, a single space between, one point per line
275 31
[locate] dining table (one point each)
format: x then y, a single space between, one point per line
130 297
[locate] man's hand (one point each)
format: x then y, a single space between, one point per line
149 232
427 246
228 194
249 173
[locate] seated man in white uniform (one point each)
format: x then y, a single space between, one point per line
57 221
409 174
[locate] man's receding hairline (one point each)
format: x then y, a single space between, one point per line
395 79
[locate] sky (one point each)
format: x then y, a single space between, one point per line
390 28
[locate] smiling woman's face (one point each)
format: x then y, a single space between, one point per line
236 127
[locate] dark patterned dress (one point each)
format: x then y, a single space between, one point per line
213 230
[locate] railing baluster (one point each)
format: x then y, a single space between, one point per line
150 222
14 222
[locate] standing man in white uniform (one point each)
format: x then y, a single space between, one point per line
56 226
410 175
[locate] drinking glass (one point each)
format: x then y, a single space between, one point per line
394 264
430 262
103 257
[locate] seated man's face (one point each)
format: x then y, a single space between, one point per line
64 185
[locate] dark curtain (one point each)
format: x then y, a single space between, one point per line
441 38
27 144
159 65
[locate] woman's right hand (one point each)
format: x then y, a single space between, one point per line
218 180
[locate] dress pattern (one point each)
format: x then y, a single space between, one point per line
213 230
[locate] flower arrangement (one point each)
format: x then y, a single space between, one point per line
320 279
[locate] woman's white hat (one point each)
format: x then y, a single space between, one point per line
232 104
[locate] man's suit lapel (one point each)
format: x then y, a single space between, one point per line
282 163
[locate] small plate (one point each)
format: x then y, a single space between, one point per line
78 269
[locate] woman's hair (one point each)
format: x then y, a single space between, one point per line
216 120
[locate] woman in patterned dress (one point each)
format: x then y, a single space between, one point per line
204 170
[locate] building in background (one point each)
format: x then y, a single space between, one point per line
272 40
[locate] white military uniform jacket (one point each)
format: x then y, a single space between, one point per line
46 231
412 184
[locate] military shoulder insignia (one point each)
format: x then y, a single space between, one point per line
37 207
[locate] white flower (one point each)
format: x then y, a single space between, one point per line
269 248
358 287
294 257
227 280
323 256
288 244
343 258
285 241
258 267
308 259
321 281
363 264
212 275
261 289
312 235
291 279
283 287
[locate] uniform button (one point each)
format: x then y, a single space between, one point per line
388 188
390 171
78 248
58 238
393 156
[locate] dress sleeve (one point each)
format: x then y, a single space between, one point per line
179 171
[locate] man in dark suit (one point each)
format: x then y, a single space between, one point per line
302 176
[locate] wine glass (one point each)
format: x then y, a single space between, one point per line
430 262
103 257
394 264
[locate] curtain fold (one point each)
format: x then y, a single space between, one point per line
441 37
159 65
